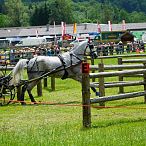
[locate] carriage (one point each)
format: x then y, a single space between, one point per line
7 92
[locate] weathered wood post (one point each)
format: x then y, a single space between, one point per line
101 83
39 88
86 95
45 82
18 92
92 63
121 88
144 78
53 83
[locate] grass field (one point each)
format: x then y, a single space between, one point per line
54 125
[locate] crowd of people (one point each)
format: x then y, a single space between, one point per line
105 49
13 55
102 49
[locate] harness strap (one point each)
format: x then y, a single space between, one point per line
64 66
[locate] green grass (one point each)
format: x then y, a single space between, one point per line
54 125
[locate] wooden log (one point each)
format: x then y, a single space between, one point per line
86 100
39 88
134 61
117 73
101 83
118 97
126 56
144 79
18 93
121 88
45 82
118 67
118 84
53 83
92 62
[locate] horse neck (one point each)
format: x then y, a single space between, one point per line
80 50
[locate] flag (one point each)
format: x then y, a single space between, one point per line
63 26
123 25
55 39
54 29
75 28
98 27
110 25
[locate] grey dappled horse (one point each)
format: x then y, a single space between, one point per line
40 65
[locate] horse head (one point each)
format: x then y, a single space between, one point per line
80 49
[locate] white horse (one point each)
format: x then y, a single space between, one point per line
66 65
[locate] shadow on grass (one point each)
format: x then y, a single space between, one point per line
69 103
128 103
58 89
121 122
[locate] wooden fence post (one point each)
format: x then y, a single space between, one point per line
101 83
53 83
86 95
121 89
18 93
45 82
144 77
39 88
92 63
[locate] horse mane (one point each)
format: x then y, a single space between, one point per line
17 71
80 48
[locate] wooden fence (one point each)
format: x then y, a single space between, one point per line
123 71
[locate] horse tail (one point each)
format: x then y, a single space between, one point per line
17 71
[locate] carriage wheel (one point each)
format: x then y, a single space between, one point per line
6 95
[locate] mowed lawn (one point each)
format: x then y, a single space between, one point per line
61 125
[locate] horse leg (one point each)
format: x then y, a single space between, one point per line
95 91
31 96
29 89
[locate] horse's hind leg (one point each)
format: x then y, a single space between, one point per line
31 96
29 89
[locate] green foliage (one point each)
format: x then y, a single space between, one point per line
14 9
61 10
4 20
42 12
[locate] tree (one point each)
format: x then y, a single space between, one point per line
14 9
40 14
61 10
4 21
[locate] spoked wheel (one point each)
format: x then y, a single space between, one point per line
6 95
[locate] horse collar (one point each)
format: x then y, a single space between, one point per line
64 66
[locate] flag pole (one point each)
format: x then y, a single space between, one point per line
55 41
